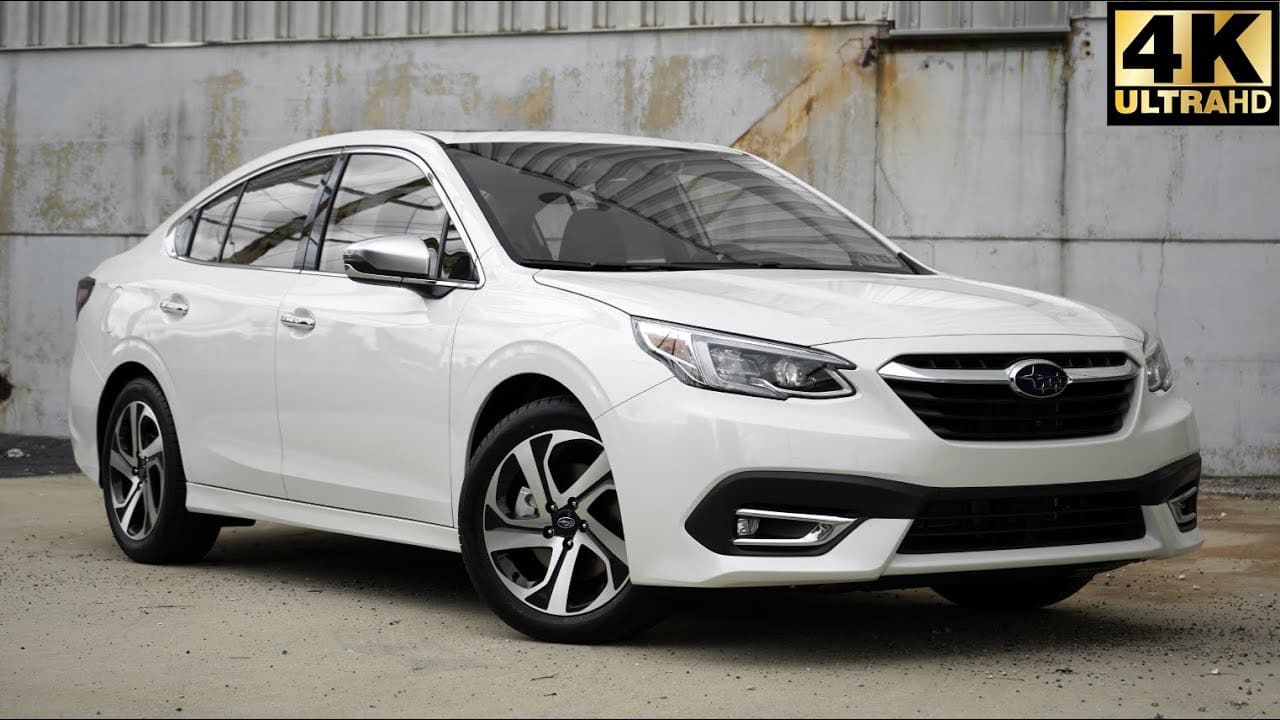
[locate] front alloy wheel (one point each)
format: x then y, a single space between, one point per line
542 532
552 526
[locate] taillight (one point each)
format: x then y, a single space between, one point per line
84 289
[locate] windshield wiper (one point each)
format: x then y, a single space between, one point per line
678 266
632 267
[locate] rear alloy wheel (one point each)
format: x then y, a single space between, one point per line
542 531
135 478
143 484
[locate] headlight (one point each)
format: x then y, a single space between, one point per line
1156 362
743 365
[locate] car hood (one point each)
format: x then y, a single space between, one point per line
814 307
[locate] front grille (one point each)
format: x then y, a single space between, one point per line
993 411
1024 521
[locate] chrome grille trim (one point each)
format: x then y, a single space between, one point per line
895 370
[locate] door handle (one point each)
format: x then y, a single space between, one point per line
173 307
300 322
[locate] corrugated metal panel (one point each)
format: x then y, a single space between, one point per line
76 23
984 15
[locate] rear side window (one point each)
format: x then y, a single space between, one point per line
381 195
274 215
181 234
206 242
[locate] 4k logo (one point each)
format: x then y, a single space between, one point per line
1193 63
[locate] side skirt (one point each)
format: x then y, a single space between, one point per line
232 503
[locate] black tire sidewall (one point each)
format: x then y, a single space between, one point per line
633 609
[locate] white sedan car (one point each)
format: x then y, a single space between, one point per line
605 367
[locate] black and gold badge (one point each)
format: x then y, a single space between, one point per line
1192 63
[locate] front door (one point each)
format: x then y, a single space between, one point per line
363 373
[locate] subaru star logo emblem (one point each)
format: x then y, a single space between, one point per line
1039 379
566 522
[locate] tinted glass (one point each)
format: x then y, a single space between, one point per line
456 264
619 207
272 217
383 195
206 243
182 234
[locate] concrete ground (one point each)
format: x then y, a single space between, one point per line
281 621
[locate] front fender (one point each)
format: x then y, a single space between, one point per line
581 343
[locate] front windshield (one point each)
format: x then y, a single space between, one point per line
630 207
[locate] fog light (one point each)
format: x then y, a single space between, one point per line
748 526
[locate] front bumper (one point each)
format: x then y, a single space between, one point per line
673 445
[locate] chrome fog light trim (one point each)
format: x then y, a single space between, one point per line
1183 506
821 528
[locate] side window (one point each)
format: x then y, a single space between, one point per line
271 219
206 243
456 262
385 195
180 235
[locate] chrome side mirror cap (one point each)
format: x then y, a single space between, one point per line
393 260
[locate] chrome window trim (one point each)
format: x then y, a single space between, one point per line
450 208
211 196
894 370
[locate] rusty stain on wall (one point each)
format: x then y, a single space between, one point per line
387 104
533 109
397 94
668 85
226 123
462 87
627 66
9 144
332 76
780 73
69 164
782 134
185 166
895 94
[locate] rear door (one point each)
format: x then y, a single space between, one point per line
215 324
364 381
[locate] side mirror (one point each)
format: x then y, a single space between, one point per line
393 260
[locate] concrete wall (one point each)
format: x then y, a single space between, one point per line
992 161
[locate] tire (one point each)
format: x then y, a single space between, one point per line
555 575
1030 594
144 488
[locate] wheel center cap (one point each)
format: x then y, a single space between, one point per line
565 523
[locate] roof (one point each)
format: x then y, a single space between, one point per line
454 137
